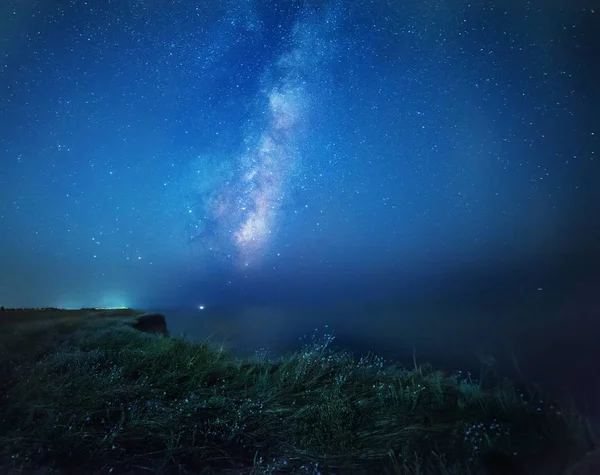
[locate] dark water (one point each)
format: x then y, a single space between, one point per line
554 339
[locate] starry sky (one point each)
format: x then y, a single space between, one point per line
180 152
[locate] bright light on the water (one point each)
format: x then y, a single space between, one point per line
200 307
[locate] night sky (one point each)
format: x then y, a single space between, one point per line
195 152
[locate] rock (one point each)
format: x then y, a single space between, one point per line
151 323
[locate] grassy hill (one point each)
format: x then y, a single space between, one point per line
83 392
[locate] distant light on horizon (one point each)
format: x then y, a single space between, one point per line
69 307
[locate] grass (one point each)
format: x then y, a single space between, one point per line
85 393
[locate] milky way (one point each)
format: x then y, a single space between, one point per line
266 169
249 203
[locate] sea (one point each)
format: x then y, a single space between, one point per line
551 340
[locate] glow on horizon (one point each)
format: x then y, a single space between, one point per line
70 307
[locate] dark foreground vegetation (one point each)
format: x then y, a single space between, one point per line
82 392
